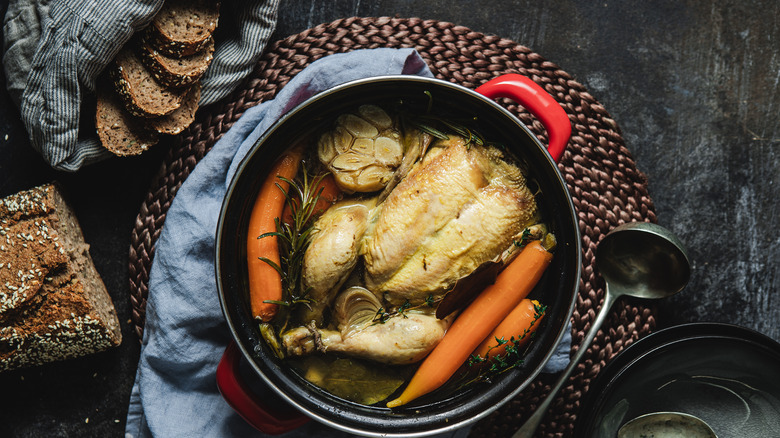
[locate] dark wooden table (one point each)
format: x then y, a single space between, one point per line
693 85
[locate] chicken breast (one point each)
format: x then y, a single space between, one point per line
458 208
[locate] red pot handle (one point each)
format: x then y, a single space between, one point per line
533 97
263 417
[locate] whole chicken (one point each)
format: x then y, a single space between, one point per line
458 207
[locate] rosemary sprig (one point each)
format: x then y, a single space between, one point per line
439 127
294 237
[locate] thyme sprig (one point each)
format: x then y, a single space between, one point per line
524 238
489 368
382 315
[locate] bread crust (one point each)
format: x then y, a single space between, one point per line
177 121
176 39
53 303
156 78
118 131
176 72
142 95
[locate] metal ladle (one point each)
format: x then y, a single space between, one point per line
637 259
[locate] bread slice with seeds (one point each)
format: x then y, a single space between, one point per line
119 131
53 303
183 28
176 72
182 117
142 95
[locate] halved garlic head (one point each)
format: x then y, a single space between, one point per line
362 150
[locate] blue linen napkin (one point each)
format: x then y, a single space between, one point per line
175 392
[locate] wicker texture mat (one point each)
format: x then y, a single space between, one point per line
600 173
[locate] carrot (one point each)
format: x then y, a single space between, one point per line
516 329
330 192
265 282
477 321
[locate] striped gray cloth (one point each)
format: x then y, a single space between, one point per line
54 51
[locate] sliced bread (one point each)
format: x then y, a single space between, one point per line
118 131
181 118
142 95
53 303
176 72
183 28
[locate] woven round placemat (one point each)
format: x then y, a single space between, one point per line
601 175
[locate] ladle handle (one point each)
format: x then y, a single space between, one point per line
535 99
529 427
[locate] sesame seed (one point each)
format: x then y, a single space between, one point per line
28 236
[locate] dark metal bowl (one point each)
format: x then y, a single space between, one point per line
433 413
724 374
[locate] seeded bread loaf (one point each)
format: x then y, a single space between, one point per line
181 118
176 72
142 95
183 28
119 131
53 303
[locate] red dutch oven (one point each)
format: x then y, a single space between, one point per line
435 413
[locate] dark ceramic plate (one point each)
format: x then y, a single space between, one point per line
728 376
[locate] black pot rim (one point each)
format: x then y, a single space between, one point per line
335 412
